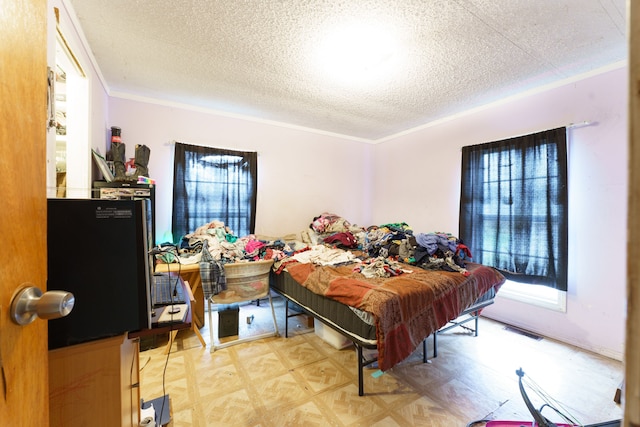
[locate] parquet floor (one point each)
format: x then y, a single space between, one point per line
303 381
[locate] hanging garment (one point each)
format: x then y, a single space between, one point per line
212 274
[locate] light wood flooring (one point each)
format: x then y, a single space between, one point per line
303 381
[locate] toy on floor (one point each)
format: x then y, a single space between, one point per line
539 420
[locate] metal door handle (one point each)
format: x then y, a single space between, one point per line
30 303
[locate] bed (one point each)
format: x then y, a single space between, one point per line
392 315
384 287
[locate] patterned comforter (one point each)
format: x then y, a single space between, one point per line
408 307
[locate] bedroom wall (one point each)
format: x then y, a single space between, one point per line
301 173
423 189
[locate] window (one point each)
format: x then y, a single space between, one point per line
213 184
513 207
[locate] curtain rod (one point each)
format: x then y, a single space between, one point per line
580 124
569 126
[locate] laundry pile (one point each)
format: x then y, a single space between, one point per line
394 241
224 246
377 250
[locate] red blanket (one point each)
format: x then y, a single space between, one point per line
408 307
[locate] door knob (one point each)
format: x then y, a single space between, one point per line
30 303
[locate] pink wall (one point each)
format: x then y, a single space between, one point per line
300 173
426 191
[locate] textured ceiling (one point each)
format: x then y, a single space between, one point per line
400 63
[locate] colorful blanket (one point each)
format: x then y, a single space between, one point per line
408 307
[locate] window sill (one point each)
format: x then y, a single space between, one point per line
537 295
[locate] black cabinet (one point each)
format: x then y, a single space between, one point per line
127 191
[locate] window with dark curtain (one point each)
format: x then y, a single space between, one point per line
513 206
213 184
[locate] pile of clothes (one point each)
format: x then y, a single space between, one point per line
394 241
330 239
224 246
440 251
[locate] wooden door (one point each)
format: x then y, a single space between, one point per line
23 206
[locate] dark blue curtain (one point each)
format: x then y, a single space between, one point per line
513 206
213 184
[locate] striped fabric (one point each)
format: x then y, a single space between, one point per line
212 274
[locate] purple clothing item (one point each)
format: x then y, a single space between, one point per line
431 241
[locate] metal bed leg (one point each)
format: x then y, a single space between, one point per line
360 371
286 318
435 344
425 358
476 314
273 314
362 363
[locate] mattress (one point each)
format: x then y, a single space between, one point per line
349 321
355 324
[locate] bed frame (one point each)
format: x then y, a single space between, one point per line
342 319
